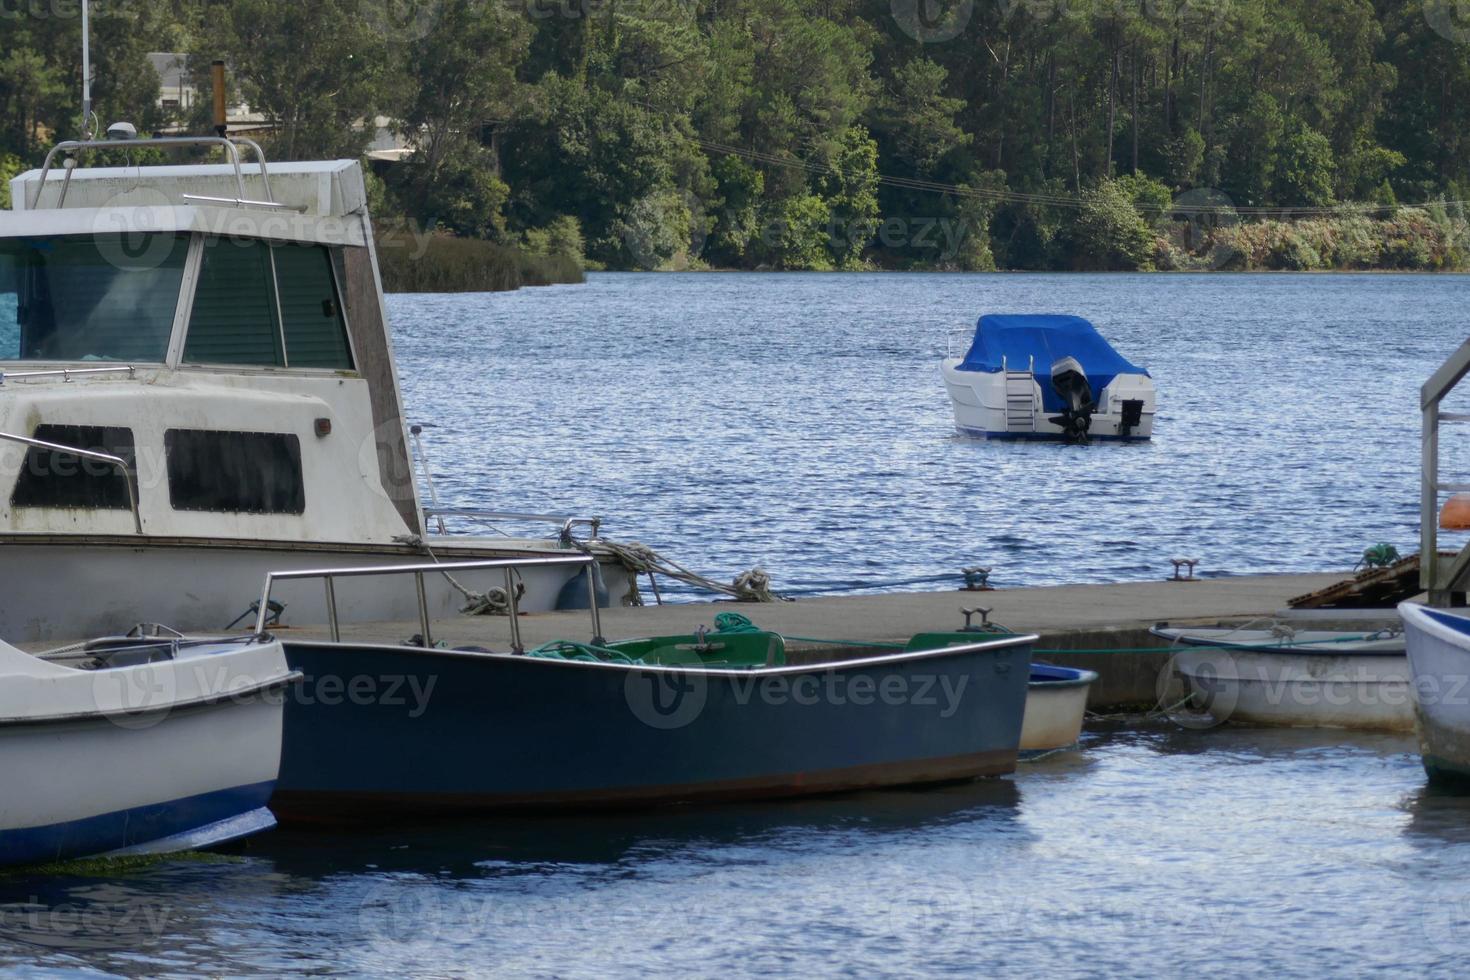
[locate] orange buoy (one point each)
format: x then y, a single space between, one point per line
1456 513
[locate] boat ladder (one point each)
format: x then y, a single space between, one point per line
1020 401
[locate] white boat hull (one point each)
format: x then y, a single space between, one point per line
114 583
1299 690
984 406
179 753
1055 712
1439 656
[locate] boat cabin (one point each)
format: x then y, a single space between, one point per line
197 351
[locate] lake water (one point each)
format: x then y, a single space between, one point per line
1228 852
798 422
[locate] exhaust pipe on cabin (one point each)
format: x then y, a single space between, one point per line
221 121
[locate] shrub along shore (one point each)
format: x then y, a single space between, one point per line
441 264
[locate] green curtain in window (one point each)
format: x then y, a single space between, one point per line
234 318
316 335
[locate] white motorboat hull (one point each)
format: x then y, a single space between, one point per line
114 583
1439 657
1056 707
1317 685
1001 405
161 756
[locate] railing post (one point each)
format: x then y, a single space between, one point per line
265 603
591 569
513 608
424 636
332 610
1429 505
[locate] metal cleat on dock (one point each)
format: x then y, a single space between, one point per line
978 580
1180 564
970 615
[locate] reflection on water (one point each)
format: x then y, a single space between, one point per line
1154 849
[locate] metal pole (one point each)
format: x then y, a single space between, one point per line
514 609
1428 503
87 131
591 571
423 611
265 602
418 445
332 610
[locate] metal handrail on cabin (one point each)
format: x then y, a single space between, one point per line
66 374
116 461
567 523
229 144
329 575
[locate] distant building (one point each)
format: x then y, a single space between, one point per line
179 98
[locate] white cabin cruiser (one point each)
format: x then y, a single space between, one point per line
1048 377
138 745
197 387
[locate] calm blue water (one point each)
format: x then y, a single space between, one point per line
798 422
1158 852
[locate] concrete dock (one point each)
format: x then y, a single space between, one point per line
1092 618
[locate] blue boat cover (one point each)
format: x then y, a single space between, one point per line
1014 341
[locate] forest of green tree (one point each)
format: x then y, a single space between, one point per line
833 134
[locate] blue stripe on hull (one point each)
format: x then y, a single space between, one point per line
1042 436
120 829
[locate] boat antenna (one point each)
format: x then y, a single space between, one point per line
89 119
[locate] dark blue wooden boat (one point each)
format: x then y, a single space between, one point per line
687 719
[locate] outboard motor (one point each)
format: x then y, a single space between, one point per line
1070 381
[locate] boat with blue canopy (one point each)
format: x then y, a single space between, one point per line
1048 377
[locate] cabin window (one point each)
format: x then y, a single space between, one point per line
316 333
234 472
269 305
234 318
90 298
50 478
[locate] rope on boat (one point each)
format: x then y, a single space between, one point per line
591 653
639 559
494 601
61 651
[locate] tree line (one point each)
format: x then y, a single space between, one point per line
832 134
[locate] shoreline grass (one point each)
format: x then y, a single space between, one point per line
441 264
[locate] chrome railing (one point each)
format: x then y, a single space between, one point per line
117 461
568 524
509 565
66 374
228 144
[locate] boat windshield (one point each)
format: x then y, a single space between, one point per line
89 297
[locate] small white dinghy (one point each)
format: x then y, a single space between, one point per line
1439 659
138 745
1056 707
1296 678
